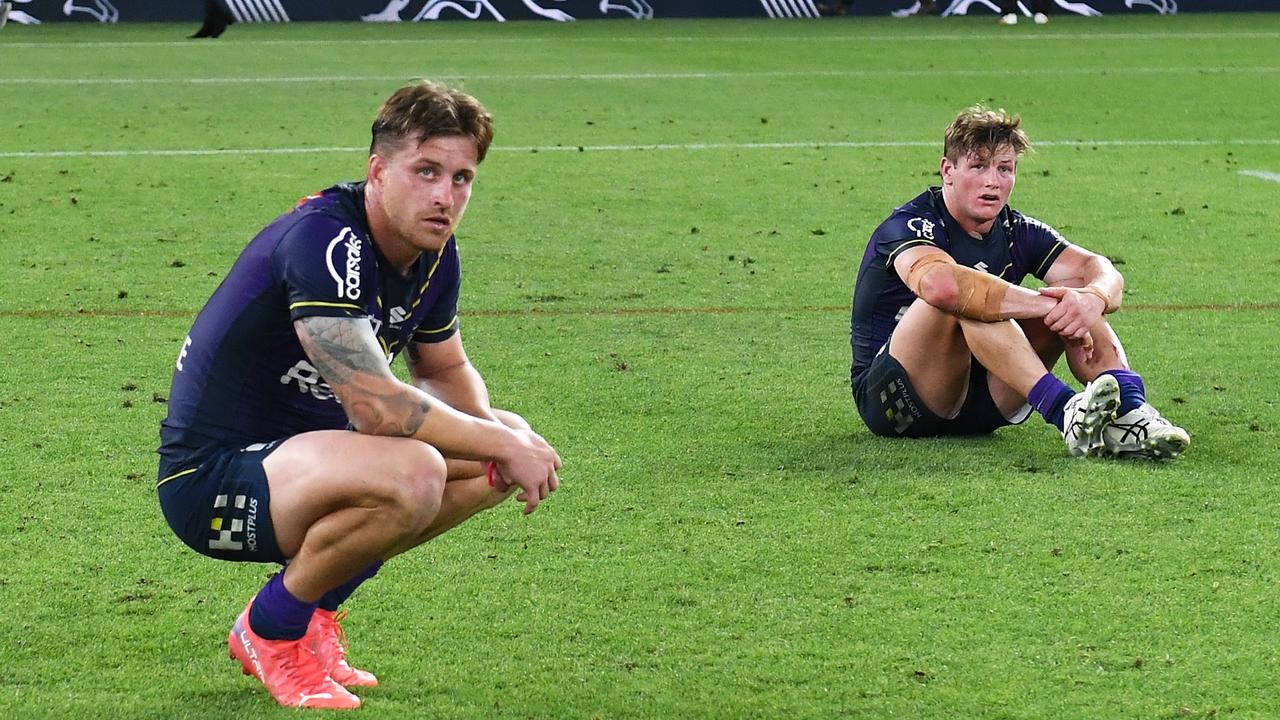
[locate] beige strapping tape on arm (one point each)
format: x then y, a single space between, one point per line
981 294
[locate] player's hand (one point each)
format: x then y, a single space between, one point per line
1075 312
531 465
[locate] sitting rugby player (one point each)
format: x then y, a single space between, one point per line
945 339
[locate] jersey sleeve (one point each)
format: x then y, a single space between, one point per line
323 265
903 231
1040 245
441 320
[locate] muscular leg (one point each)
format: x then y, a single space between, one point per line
1048 347
931 348
336 514
1107 354
1006 352
468 491
340 501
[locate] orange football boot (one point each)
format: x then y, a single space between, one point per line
291 672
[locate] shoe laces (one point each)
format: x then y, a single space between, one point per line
333 639
300 666
1134 431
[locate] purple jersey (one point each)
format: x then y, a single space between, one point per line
242 376
1016 246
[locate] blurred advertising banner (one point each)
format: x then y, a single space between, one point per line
245 11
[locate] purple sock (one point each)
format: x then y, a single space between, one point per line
335 597
276 614
1132 391
1049 397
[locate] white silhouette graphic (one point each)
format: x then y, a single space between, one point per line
1164 7
470 9
102 10
433 8
961 7
390 13
474 9
638 9
20 17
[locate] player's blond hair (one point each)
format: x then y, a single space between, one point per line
981 131
425 110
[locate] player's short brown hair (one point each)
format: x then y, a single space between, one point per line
980 130
424 110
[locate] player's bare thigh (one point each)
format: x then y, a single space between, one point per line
931 348
317 473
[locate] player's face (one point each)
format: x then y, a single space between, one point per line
978 186
422 192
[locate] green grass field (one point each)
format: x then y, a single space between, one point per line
659 256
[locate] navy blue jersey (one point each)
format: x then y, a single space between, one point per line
1016 246
242 376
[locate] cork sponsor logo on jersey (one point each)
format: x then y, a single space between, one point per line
342 257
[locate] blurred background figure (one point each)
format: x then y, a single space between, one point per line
836 8
1009 11
216 20
920 7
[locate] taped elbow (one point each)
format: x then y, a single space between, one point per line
940 289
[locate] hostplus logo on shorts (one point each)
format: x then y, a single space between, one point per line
903 410
229 526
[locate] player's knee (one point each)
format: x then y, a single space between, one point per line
410 494
512 420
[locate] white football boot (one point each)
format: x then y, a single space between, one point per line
1009 19
1144 433
1087 413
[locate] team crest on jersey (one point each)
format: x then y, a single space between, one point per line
342 258
921 227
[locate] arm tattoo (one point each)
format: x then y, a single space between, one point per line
346 353
340 347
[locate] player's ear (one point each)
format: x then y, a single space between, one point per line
944 169
377 166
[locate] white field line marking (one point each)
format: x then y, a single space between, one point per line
1273 177
813 145
436 41
690 75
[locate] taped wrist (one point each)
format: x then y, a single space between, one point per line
1095 290
980 294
